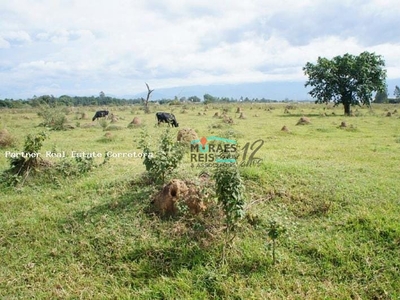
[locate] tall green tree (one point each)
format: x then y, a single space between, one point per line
348 79
396 92
209 99
194 99
381 97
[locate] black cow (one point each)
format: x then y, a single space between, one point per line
163 117
100 114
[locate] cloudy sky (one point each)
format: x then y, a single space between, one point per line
82 47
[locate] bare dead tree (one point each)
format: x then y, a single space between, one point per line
146 102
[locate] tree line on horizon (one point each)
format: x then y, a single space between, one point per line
103 100
381 97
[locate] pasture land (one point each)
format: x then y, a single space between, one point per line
335 190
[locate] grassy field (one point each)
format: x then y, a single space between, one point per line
335 190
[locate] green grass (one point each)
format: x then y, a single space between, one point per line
91 236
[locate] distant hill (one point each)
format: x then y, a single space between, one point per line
268 90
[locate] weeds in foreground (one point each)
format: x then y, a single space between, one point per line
92 238
23 163
29 161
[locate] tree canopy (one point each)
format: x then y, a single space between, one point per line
381 97
396 92
348 79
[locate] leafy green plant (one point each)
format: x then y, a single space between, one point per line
230 193
274 231
165 159
84 164
29 159
76 166
103 123
53 118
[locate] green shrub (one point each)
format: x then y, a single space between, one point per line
54 118
165 159
75 166
230 193
27 161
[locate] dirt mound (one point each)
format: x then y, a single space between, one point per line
343 124
81 115
285 128
6 139
187 135
303 121
113 118
227 119
388 114
216 115
177 193
136 122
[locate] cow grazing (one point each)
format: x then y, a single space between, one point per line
163 117
100 114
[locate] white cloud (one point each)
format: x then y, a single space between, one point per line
93 45
17 36
4 43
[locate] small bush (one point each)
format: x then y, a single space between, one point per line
75 166
232 133
230 193
53 118
165 159
26 162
